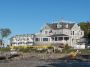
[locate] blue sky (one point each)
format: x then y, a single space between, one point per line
27 16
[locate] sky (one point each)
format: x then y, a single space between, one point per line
28 16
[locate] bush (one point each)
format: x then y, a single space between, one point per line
50 47
28 49
57 51
84 51
67 49
25 49
5 49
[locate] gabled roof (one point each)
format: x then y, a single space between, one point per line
63 25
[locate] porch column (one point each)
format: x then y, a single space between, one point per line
63 37
64 41
40 39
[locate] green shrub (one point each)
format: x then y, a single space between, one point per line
50 47
57 51
24 49
67 47
5 49
41 51
84 51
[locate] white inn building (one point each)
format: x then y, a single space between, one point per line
55 33
21 40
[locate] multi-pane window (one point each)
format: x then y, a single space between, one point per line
28 42
66 38
45 39
37 39
60 38
50 31
59 26
56 38
72 32
20 43
52 38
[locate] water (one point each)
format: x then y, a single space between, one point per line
71 64
42 63
66 63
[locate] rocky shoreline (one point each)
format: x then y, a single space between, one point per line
30 60
36 60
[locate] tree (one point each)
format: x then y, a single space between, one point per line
5 32
86 27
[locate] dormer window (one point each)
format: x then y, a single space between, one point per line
50 31
59 25
67 26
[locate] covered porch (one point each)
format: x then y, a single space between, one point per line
60 38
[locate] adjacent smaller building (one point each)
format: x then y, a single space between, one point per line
22 40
